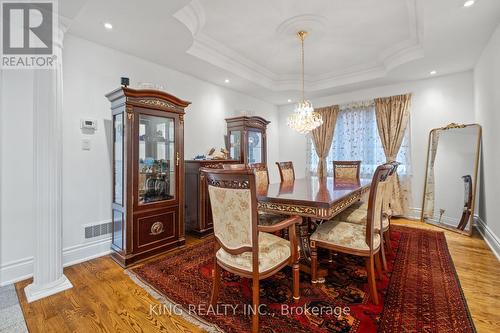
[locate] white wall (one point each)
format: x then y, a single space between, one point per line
487 94
91 71
436 102
16 172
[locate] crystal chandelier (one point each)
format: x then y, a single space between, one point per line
304 119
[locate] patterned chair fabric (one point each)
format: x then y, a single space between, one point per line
273 251
345 234
287 172
358 214
346 171
288 175
261 177
261 174
232 216
262 181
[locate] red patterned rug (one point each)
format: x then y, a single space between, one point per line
421 293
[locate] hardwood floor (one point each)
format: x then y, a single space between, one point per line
104 299
479 272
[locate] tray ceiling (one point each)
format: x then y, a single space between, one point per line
355 41
352 44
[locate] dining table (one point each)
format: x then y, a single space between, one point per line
314 199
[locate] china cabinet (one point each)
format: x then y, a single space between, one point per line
148 173
246 139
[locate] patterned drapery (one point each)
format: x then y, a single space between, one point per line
323 136
393 115
356 138
429 189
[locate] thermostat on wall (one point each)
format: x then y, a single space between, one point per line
90 124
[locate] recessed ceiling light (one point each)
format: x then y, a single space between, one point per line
433 72
226 80
108 25
289 100
469 3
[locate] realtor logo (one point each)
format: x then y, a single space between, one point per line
28 31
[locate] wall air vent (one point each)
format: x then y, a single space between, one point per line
97 230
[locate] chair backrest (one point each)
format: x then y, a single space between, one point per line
375 201
346 172
287 173
261 174
234 208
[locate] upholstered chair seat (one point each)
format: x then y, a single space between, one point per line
345 234
273 252
357 214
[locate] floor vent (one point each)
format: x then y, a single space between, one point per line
98 230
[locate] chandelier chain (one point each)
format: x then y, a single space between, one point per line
303 65
304 119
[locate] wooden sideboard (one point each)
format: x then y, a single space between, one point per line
198 213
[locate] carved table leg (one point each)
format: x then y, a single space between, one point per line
305 249
305 230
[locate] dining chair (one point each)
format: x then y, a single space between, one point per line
243 247
262 181
287 173
261 173
355 239
346 172
357 213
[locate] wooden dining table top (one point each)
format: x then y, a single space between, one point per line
310 196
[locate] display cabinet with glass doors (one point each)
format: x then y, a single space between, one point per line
246 139
148 173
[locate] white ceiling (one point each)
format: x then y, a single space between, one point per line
352 44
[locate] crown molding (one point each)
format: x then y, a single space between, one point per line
215 53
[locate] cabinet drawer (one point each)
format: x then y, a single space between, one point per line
156 229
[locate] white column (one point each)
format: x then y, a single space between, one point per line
48 277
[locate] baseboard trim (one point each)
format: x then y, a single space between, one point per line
22 269
489 237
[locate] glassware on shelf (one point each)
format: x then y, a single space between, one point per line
156 159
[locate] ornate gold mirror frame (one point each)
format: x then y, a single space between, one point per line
432 134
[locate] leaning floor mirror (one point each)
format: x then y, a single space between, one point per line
451 177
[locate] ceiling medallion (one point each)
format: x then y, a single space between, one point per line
304 119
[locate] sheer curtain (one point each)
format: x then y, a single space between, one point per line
356 138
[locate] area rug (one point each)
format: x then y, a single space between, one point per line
421 292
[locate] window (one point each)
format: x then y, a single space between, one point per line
356 138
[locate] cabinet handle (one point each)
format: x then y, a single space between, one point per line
156 228
177 159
